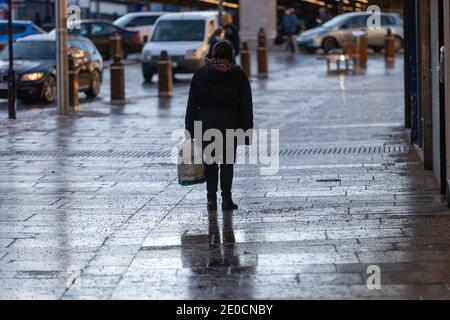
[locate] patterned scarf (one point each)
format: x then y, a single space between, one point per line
221 64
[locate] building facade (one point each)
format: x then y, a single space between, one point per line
427 84
107 9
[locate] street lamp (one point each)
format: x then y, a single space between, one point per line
11 73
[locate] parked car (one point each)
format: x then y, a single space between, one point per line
35 66
100 33
338 32
20 29
139 21
184 36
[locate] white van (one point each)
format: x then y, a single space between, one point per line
185 36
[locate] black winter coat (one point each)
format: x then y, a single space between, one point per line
221 99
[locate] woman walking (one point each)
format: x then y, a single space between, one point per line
220 97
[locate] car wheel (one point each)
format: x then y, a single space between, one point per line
148 77
48 93
96 84
329 44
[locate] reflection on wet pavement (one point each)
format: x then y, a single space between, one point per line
94 198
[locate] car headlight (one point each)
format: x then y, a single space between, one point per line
146 55
192 54
32 76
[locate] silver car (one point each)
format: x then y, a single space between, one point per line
338 32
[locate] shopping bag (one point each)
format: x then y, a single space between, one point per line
190 164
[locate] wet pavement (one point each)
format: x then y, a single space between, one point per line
90 206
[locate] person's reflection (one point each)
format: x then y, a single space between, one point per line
204 251
214 261
214 252
230 257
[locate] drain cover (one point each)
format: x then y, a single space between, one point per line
165 154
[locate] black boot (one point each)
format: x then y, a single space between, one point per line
212 203
228 204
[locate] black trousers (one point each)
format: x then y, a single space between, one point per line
290 46
226 171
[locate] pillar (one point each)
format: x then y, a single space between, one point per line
407 44
447 89
425 83
437 92
256 14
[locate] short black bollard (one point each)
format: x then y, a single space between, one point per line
115 46
263 62
246 59
117 81
165 75
73 85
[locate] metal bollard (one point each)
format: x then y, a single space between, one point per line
390 50
351 51
246 59
363 45
73 85
165 75
117 69
115 46
263 62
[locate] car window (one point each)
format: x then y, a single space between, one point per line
387 21
98 29
335 22
32 50
19 28
356 22
83 30
143 21
179 30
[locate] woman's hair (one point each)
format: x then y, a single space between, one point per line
224 50
227 19
219 32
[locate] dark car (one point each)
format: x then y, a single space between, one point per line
35 66
100 33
